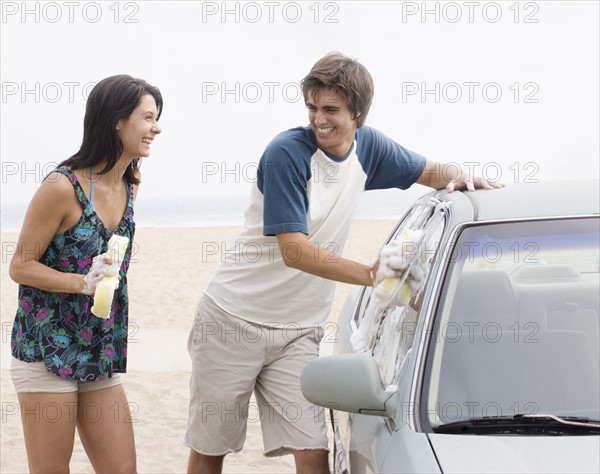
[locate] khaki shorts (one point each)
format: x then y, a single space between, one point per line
230 359
33 377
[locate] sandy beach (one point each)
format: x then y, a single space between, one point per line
170 268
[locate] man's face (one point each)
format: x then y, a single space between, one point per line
331 121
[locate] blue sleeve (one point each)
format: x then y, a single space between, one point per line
282 177
386 163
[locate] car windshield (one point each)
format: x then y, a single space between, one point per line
517 325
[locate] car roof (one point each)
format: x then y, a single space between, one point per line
526 200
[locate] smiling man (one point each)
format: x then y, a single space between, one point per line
260 319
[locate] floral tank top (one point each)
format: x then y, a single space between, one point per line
59 328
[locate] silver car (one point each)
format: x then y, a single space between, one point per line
483 356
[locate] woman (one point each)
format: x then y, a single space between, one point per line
67 362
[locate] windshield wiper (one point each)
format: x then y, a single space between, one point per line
523 424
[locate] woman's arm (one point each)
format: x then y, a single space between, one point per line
54 208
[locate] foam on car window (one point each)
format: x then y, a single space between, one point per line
389 323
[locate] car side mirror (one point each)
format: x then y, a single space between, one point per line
348 383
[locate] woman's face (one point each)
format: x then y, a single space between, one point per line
139 129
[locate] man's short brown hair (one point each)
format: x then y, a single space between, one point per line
348 78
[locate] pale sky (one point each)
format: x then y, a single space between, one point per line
513 85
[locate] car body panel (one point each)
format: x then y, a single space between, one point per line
375 448
543 199
411 451
398 442
517 454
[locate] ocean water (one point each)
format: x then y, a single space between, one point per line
220 210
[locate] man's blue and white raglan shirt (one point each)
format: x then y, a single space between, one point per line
300 188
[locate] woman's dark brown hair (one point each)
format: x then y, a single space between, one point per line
111 100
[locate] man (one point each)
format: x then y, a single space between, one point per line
259 321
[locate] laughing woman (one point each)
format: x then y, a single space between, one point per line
67 362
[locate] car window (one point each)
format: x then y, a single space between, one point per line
386 319
517 328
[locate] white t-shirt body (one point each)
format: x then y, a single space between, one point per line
300 188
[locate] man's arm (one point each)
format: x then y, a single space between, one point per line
449 176
300 253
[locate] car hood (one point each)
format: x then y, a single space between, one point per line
507 454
